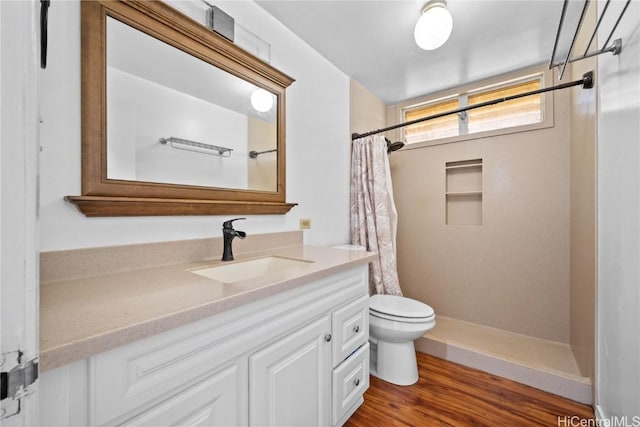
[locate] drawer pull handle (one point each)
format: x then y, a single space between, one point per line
356 382
327 337
356 329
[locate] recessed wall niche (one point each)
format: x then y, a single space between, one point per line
464 192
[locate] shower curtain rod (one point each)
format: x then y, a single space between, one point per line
586 81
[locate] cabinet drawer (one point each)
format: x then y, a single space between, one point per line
350 328
212 402
350 381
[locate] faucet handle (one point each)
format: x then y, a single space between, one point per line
229 224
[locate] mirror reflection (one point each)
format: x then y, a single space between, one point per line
173 118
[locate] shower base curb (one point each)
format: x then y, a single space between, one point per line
569 386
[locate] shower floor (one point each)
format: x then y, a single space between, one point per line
547 365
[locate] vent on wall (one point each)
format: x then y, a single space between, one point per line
464 192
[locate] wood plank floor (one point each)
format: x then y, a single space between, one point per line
449 394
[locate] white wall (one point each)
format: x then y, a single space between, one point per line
618 302
317 144
140 112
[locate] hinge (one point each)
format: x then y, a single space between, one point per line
15 382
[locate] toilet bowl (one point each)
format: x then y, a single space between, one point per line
394 322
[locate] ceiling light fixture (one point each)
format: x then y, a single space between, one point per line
261 100
434 25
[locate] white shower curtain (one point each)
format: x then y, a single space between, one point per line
373 213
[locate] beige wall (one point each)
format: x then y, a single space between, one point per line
583 206
511 272
530 267
368 112
263 170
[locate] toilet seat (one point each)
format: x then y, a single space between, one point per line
399 308
400 319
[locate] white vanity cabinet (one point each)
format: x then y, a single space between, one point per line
299 357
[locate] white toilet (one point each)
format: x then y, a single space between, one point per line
394 322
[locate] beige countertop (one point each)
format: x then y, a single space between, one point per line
83 317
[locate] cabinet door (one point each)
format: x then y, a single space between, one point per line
215 401
291 379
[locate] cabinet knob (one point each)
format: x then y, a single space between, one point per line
327 337
356 329
356 382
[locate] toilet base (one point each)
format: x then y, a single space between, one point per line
401 367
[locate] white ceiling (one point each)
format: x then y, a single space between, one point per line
372 41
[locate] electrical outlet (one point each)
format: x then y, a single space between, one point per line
305 223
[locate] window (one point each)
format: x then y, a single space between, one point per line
442 127
509 114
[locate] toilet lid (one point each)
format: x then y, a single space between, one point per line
399 306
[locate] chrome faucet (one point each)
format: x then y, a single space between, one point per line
228 233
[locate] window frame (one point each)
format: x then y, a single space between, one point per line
474 88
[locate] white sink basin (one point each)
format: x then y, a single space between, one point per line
244 270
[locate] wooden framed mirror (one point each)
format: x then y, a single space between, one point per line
168 123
